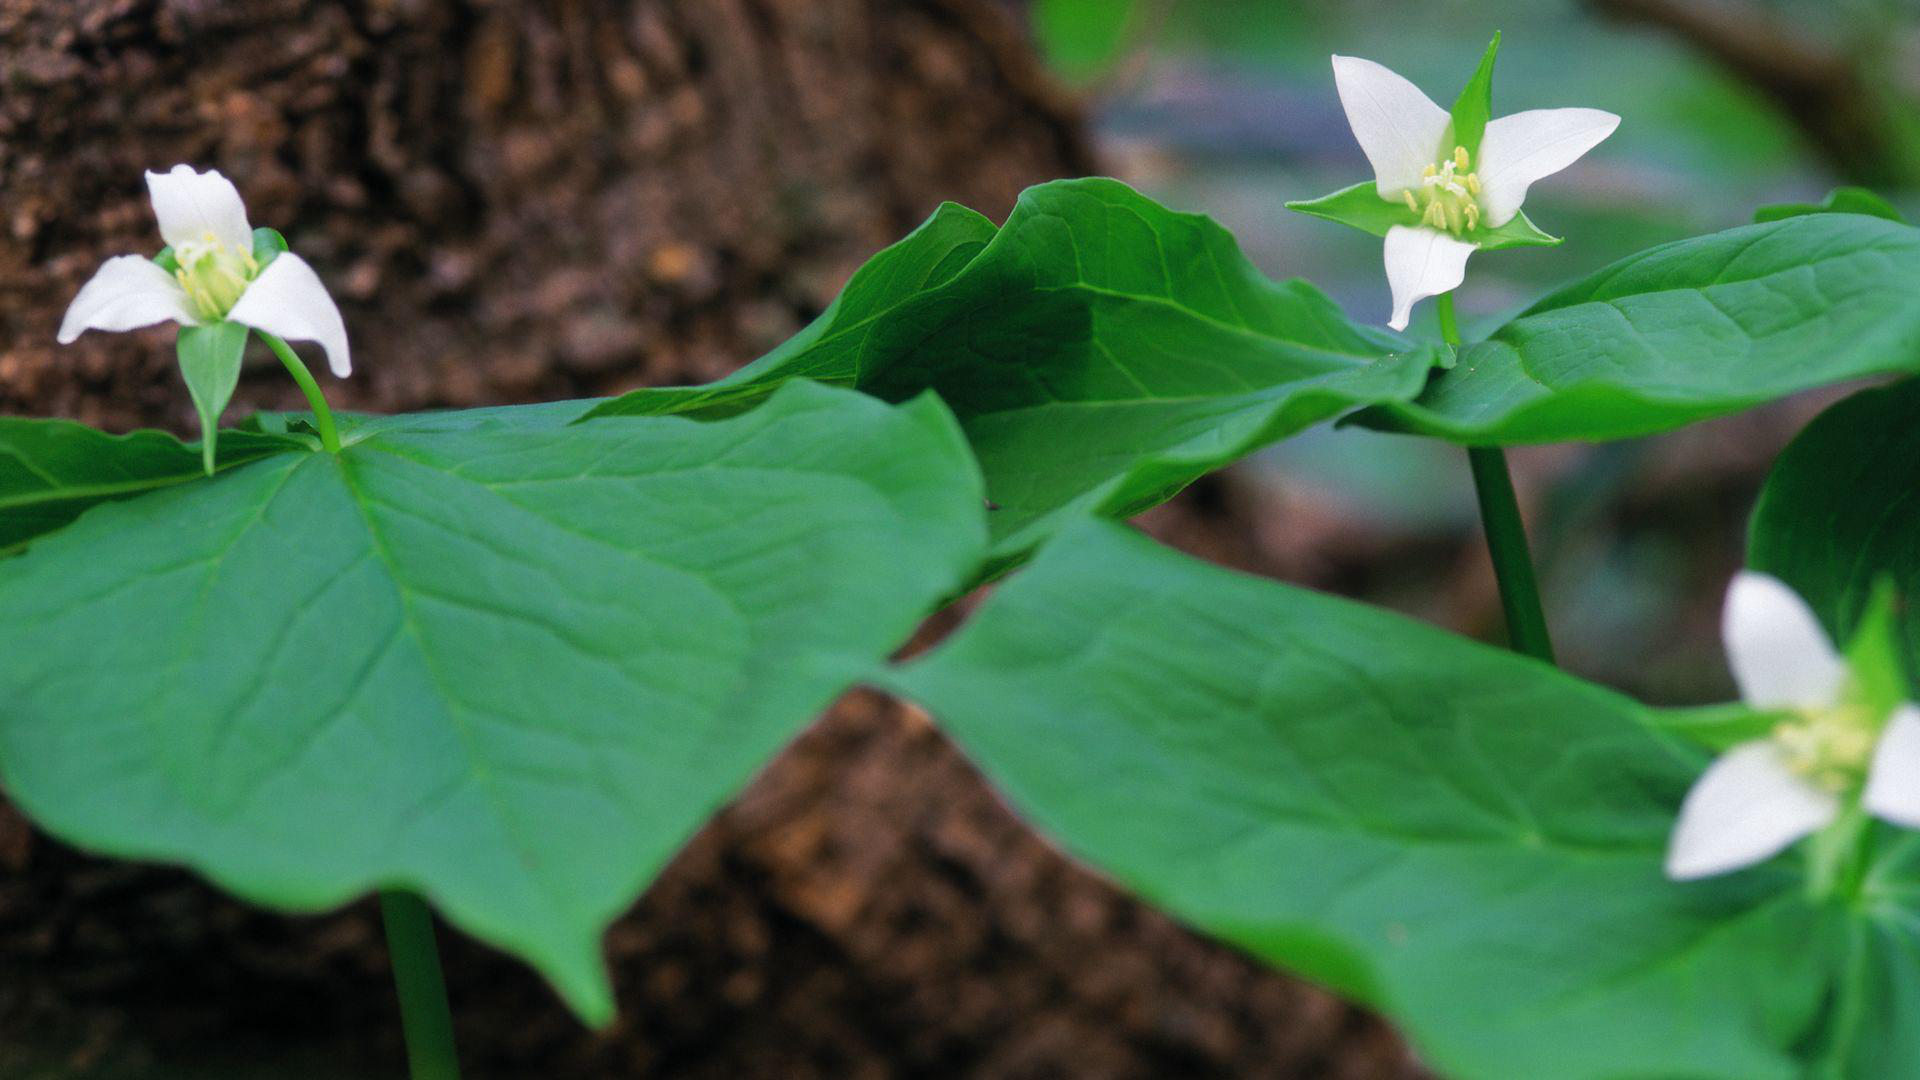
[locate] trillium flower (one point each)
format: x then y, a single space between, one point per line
217 278
1834 749
1446 184
218 275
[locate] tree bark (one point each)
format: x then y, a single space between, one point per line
514 200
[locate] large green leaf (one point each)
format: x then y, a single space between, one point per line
1687 331
1841 511
1100 351
510 666
52 470
1466 839
1841 200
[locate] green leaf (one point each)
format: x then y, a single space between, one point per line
53 470
1361 207
166 260
1465 839
545 415
1519 231
267 245
895 289
1838 515
1877 670
1718 727
1474 107
511 667
1841 200
1100 351
210 362
1686 331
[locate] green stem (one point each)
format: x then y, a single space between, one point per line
322 416
1837 856
1506 532
424 1012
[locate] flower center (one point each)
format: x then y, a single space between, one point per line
1448 197
213 274
1830 747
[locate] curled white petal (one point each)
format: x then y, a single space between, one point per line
126 293
1528 146
1398 127
288 299
1893 784
1422 262
192 204
1780 656
1747 807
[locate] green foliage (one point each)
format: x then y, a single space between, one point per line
1686 331
1100 351
508 665
53 470
1361 207
1474 107
1467 840
210 363
1841 200
267 245
510 658
1838 516
1718 727
1875 664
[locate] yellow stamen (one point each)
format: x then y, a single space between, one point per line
1448 196
1831 747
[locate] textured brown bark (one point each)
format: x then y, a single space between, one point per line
515 200
522 199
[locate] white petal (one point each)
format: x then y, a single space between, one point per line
1893 786
1527 146
288 299
192 204
1747 807
1422 262
1780 656
1398 127
126 293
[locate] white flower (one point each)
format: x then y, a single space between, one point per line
1452 199
1763 795
202 218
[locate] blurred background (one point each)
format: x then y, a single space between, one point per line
531 199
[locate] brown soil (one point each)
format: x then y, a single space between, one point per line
523 200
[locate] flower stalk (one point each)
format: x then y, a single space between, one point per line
424 1013
1506 532
317 401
